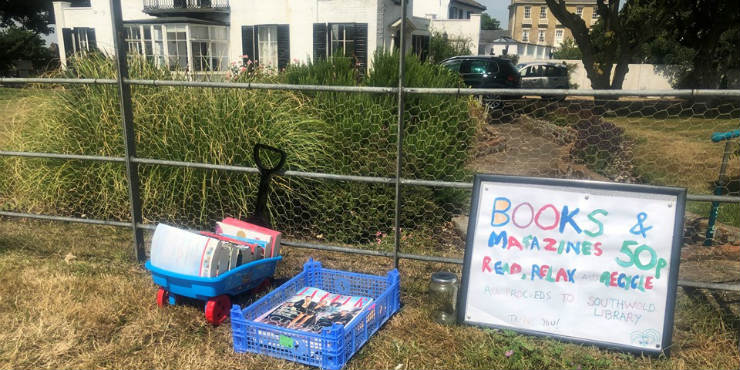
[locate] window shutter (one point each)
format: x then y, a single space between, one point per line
283 44
359 34
92 44
67 37
319 41
248 43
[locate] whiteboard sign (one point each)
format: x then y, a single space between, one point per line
583 261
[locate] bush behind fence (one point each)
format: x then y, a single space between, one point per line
349 134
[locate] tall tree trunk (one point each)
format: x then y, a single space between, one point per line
620 73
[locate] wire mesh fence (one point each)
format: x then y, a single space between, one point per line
338 186
354 181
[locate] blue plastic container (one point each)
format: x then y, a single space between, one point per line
332 348
233 282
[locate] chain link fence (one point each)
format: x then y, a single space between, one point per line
195 165
191 147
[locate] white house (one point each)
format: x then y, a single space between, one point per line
206 35
499 43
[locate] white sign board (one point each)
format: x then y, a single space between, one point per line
582 261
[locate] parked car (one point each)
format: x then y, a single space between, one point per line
486 72
543 75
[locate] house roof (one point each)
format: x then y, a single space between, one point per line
412 23
491 35
472 3
161 20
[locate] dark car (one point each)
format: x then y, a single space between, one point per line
544 75
485 72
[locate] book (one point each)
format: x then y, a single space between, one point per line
313 309
189 253
241 229
244 248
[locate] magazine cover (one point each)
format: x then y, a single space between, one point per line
313 309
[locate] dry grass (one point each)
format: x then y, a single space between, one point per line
678 152
98 311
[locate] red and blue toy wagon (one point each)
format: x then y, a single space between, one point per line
216 291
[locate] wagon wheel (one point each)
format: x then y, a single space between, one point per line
217 309
163 297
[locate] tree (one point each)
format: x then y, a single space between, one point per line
442 47
489 23
19 44
701 38
568 50
615 40
33 15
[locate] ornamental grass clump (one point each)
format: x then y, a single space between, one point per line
328 132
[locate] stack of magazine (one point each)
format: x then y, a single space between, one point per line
313 309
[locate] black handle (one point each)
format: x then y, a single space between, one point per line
259 218
260 165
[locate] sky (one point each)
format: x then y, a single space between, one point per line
498 9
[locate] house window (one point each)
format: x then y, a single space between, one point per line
78 40
154 44
267 40
527 12
341 39
579 11
132 36
541 36
342 42
420 46
525 35
453 12
543 12
467 15
267 44
177 47
558 37
79 4
209 47
459 14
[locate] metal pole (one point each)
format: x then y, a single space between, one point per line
127 120
399 134
717 191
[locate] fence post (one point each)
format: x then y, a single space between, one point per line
399 134
127 121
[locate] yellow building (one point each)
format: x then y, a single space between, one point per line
532 22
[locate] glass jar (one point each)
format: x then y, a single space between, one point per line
443 294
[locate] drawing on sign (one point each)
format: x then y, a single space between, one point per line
645 338
595 267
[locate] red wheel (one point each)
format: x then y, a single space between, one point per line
163 297
217 309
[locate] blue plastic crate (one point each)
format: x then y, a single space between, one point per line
333 347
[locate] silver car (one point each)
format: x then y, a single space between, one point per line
543 75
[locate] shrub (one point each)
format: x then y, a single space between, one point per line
342 133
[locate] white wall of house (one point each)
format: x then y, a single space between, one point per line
96 16
468 29
432 9
526 52
300 15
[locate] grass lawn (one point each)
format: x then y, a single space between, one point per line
98 310
679 152
72 298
